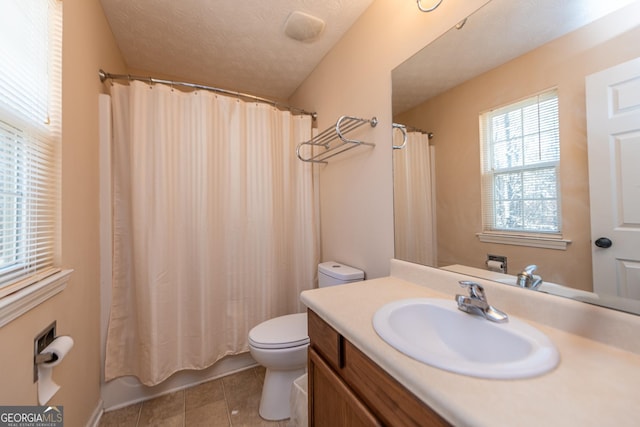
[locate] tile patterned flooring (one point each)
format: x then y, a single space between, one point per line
228 401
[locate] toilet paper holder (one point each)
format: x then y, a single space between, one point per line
500 260
45 358
41 341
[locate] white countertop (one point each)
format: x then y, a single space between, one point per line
595 384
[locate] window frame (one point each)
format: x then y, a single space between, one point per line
30 150
552 239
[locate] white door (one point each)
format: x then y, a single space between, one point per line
613 131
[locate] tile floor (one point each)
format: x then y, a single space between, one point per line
229 401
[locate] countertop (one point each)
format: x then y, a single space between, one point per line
595 383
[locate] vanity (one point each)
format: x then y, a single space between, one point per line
356 378
349 389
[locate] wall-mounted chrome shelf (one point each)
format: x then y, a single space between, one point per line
404 129
333 140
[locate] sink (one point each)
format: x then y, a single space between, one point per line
435 332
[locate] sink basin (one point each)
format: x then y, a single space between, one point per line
435 332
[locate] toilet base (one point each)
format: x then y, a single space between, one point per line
274 402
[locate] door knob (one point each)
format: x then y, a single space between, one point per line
604 243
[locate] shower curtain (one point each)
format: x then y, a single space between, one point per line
215 227
414 198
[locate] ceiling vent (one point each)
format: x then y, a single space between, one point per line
303 27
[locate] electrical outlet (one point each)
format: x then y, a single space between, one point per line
42 340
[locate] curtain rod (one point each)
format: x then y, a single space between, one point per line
104 76
414 129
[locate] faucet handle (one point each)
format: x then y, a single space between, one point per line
475 289
477 303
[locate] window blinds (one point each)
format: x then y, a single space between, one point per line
520 159
30 123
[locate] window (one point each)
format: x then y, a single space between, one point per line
30 123
520 160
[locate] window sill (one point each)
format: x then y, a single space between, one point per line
533 241
18 303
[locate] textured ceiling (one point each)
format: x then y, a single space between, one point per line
498 32
236 45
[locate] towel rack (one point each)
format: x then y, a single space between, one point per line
333 139
402 129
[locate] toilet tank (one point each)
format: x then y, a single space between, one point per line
332 273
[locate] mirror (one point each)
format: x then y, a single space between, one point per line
504 52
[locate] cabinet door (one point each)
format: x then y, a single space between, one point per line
388 399
331 402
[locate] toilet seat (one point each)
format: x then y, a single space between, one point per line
281 332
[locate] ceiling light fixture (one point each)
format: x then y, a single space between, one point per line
428 9
303 27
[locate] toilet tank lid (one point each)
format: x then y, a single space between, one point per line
340 271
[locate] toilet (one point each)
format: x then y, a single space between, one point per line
280 345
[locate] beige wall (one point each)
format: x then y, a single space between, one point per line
356 188
355 79
453 117
357 201
87 46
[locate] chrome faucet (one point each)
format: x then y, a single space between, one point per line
526 278
476 303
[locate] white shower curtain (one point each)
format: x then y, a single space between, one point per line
413 196
215 227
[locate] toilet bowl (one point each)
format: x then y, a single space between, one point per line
280 345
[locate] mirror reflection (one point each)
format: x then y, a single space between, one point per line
503 54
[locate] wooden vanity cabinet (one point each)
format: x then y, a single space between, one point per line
346 388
